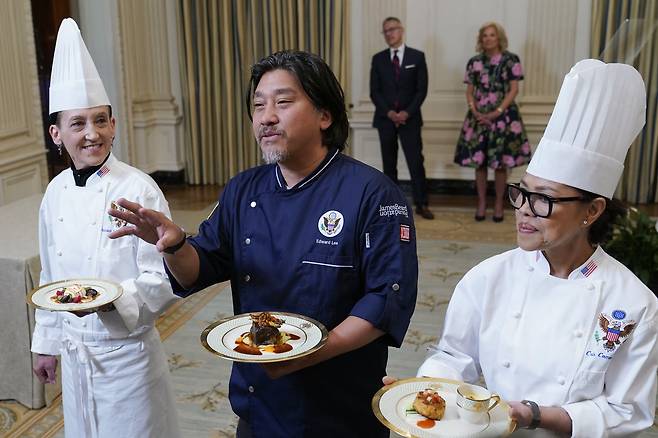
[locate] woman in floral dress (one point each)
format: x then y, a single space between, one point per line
493 134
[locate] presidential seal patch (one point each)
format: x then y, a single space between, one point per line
330 224
613 330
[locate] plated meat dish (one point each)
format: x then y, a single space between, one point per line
264 335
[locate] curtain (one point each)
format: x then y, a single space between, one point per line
625 31
220 40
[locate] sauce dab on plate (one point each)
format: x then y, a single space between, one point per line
427 423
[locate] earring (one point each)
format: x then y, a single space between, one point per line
585 222
59 149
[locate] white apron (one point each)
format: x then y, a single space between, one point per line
537 337
115 379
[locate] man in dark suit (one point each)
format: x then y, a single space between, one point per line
398 86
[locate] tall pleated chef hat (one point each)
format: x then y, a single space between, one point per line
74 81
599 112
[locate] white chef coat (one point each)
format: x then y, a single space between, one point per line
537 337
115 378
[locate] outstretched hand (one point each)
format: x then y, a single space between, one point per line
149 225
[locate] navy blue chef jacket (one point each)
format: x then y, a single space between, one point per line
341 242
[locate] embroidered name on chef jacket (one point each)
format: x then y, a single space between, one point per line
613 330
112 223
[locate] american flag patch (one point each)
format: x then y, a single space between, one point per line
589 268
103 171
405 233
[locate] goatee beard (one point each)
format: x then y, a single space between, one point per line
273 156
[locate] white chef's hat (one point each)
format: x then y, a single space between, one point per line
74 81
599 112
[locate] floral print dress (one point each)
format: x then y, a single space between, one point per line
503 143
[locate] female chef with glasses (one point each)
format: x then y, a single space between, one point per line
560 329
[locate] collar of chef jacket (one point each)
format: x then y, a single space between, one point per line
332 153
586 270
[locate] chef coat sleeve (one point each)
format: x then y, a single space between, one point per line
47 328
456 354
388 262
627 404
213 246
144 298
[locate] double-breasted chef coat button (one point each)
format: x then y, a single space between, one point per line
93 223
506 364
516 315
84 324
59 253
100 189
251 389
88 257
61 219
530 268
395 287
247 241
247 278
590 286
561 380
578 333
253 204
66 321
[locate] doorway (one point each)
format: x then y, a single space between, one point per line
46 17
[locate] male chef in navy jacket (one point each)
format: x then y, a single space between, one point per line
398 86
313 232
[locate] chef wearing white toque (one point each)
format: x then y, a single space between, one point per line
115 378
560 329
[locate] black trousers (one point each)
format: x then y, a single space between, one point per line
412 146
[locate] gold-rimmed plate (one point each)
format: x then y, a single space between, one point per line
220 337
392 405
42 296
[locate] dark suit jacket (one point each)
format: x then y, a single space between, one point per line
409 91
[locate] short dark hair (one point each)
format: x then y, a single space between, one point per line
55 118
387 19
319 84
601 230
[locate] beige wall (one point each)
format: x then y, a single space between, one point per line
548 35
139 65
23 169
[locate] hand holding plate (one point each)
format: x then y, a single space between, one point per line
389 380
520 413
275 370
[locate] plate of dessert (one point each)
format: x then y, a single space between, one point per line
264 337
84 294
426 407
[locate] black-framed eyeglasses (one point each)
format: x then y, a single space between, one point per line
540 204
391 29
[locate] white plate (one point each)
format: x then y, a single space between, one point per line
390 405
219 337
108 292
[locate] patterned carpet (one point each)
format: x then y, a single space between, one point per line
447 248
